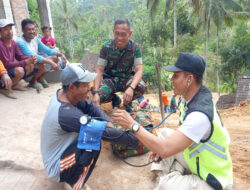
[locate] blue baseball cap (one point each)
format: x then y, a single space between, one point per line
189 62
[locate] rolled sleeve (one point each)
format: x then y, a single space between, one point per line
102 62
138 52
137 61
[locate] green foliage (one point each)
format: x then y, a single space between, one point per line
186 43
33 11
91 24
149 75
236 56
66 19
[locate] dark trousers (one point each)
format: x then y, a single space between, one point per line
110 86
76 165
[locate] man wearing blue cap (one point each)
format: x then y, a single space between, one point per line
199 148
63 156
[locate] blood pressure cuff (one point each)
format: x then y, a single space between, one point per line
91 134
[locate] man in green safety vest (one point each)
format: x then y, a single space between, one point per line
196 155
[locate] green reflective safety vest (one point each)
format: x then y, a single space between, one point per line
210 159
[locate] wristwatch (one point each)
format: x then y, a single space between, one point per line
135 127
96 92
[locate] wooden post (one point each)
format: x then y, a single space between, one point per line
159 86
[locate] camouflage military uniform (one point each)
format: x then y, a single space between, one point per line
119 69
124 151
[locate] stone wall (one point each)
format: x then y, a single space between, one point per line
226 101
243 90
90 61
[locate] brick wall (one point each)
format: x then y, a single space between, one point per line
20 12
243 89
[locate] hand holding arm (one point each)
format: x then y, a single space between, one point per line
31 60
97 82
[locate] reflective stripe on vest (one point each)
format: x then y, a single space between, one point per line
211 158
208 148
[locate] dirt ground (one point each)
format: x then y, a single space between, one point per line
237 121
20 146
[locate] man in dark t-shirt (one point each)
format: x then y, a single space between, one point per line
63 156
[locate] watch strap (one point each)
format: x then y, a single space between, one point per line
96 92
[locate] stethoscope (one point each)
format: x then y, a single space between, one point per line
86 119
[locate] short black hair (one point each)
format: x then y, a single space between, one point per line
66 87
46 27
198 78
122 21
35 23
27 21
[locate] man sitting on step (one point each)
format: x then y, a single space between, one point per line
119 68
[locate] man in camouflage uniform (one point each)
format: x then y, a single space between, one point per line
119 68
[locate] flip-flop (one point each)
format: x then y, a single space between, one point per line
44 83
36 85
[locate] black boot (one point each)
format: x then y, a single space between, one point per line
129 108
116 101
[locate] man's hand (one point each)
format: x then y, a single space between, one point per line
31 60
96 99
64 59
54 66
128 95
109 124
123 118
6 81
153 157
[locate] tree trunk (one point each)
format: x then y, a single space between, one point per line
175 24
217 64
206 51
159 86
45 14
160 90
71 44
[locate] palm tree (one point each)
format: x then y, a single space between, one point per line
66 14
153 4
218 11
